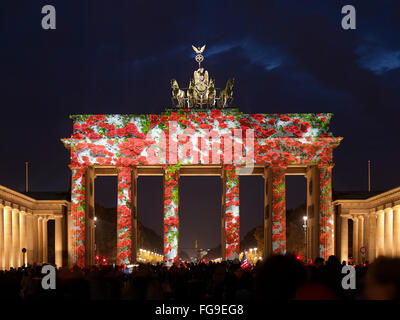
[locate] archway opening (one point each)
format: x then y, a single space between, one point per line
150 213
252 213
200 217
296 199
106 218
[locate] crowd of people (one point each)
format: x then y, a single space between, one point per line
279 277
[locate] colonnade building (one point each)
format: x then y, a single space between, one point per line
368 226
24 221
362 220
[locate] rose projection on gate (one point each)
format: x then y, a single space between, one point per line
180 137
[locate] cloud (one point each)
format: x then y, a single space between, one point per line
267 56
377 59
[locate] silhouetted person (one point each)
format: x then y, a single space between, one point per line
279 277
383 279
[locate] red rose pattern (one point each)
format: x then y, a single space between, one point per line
125 140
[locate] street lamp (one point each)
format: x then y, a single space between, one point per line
305 236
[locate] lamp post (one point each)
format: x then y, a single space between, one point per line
305 237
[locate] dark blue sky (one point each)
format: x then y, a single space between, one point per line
119 56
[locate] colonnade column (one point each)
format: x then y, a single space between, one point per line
78 205
360 236
124 216
396 231
171 214
45 242
326 213
2 237
22 236
30 240
344 241
40 240
380 228
231 213
355 239
58 243
388 232
371 253
15 239
278 209
35 251
7 237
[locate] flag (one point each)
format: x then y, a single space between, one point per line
244 264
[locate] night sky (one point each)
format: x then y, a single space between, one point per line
119 56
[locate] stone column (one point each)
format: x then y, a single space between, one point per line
396 231
232 215
40 240
35 228
171 214
2 266
326 213
124 216
267 212
135 238
223 210
313 198
16 262
355 240
366 235
30 240
380 227
344 242
278 210
45 238
7 237
360 233
58 243
78 216
89 217
22 236
371 253
388 232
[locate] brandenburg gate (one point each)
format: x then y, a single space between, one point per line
201 135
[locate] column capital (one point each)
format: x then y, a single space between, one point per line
354 218
380 212
388 210
345 216
396 208
325 165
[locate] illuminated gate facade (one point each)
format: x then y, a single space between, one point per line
201 136
222 142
